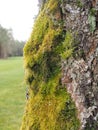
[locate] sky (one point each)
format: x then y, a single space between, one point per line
18 15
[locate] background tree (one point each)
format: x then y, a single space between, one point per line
8 45
4 42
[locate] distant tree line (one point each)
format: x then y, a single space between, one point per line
8 45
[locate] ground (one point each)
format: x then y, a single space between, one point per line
12 93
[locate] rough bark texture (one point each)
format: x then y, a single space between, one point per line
82 69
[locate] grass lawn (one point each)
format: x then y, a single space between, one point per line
12 93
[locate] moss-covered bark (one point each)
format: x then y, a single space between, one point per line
49 106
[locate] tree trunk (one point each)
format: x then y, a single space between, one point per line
66 34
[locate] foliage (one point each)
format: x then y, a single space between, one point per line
17 48
8 45
5 36
49 106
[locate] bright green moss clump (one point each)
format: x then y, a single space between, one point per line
49 106
67 46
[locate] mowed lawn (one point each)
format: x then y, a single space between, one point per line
12 93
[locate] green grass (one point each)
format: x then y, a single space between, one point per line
12 93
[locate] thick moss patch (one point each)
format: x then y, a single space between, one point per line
49 107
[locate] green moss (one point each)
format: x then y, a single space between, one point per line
79 3
92 19
67 47
92 11
53 6
49 107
